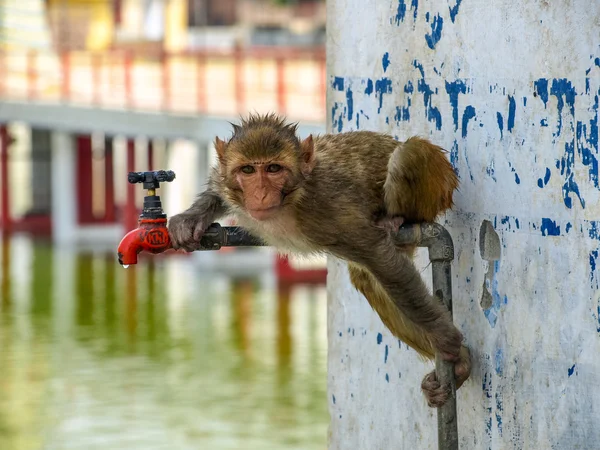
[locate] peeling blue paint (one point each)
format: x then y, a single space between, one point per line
593 265
379 338
402 113
369 88
400 12
436 32
467 115
491 314
587 144
499 361
550 228
386 354
454 89
414 5
499 411
336 120
541 183
385 62
487 384
333 398
512 106
517 179
544 123
350 103
432 113
454 156
454 10
594 230
382 86
566 168
387 378
338 84
490 170
541 87
565 93
500 121
571 370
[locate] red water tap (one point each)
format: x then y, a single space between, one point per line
151 235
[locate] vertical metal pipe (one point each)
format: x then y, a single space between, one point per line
447 420
441 253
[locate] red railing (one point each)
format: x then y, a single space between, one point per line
290 81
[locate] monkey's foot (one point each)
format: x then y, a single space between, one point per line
434 392
391 224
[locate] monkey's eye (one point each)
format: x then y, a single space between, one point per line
247 169
274 168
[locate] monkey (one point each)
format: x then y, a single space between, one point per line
344 195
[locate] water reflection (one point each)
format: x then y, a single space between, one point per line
166 355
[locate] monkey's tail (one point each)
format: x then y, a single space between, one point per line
420 181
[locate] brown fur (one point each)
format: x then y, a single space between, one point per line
344 192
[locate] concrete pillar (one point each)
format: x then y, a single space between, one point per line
184 158
64 198
511 91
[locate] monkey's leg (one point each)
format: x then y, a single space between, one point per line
405 330
390 315
420 181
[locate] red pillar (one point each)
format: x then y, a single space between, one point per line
131 213
4 188
84 179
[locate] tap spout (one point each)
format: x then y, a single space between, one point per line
151 236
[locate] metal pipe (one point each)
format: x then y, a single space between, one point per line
441 253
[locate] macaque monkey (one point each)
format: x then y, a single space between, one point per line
342 194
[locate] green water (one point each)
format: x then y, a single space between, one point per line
163 355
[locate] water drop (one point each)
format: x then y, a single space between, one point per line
125 266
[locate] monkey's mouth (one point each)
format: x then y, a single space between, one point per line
265 213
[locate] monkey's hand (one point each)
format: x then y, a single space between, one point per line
186 230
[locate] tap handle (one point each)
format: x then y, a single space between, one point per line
151 179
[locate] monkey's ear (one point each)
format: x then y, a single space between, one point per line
307 147
220 147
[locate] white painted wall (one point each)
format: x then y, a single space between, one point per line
511 89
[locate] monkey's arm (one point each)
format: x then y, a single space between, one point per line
187 228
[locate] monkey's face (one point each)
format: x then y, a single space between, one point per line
263 186
262 164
